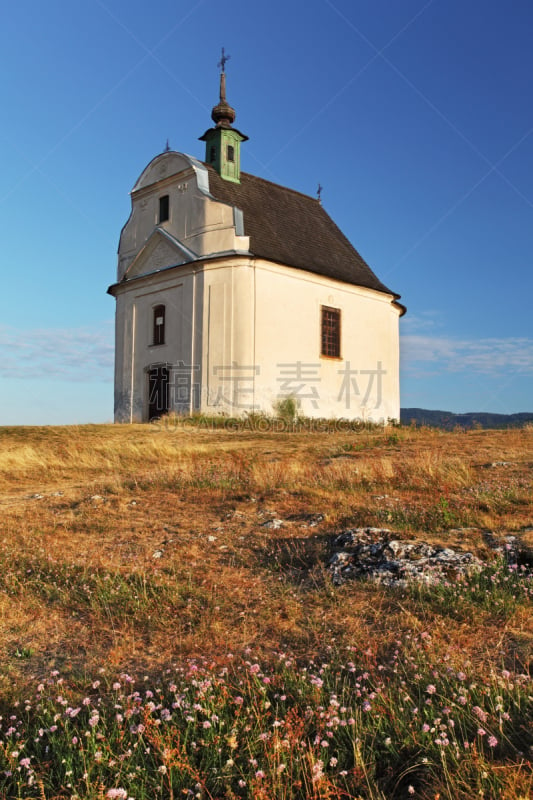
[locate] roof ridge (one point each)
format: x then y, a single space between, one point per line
271 183
280 186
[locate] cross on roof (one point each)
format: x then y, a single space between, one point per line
222 62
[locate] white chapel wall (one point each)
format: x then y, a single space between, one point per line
362 383
248 334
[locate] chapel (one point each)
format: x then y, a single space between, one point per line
235 294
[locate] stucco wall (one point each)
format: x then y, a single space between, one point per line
136 353
240 335
229 337
208 337
362 383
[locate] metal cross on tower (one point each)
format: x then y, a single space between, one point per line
222 62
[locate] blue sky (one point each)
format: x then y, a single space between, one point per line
415 116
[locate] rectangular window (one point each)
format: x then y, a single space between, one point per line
163 208
159 325
331 332
231 153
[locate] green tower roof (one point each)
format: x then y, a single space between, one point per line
223 142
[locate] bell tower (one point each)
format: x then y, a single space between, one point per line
223 143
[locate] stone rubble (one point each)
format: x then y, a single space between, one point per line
376 554
380 555
306 520
510 549
272 524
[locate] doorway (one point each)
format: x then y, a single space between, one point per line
158 380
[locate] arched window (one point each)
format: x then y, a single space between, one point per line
164 208
231 152
159 325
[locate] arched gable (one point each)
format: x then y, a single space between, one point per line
171 163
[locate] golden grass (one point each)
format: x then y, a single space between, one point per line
183 512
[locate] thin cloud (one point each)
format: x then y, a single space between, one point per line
74 354
489 356
87 353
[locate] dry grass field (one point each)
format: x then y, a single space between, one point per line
140 553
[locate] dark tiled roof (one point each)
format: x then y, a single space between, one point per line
293 229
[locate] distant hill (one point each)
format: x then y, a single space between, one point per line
473 419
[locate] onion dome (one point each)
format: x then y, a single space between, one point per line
223 115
